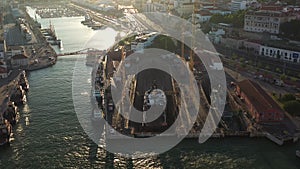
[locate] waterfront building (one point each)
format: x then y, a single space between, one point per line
266 21
14 50
19 60
260 104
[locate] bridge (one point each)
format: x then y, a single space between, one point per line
92 51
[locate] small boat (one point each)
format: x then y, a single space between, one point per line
5 131
298 153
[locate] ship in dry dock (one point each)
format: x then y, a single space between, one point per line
149 88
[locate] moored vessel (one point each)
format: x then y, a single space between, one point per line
5 131
11 114
24 82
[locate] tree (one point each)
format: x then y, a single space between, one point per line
278 70
287 97
164 42
292 107
283 77
236 19
291 29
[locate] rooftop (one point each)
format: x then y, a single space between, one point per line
269 13
271 8
259 98
204 13
3 70
15 48
20 56
282 45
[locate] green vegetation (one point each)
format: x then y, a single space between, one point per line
236 19
283 77
290 104
164 42
205 27
291 29
292 107
287 97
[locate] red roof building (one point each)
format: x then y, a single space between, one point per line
260 104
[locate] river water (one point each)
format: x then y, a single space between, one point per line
53 138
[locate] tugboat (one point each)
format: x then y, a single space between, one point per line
5 131
11 114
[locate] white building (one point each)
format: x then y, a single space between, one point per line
215 36
185 8
202 16
284 54
143 41
237 5
266 21
219 11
